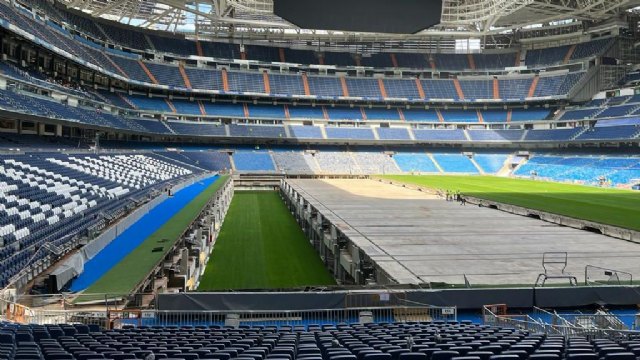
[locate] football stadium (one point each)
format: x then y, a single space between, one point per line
320 180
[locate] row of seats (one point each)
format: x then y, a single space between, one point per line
51 197
281 112
50 108
511 88
622 132
373 341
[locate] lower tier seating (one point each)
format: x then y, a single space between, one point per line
52 197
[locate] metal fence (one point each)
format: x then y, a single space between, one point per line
114 310
490 318
113 317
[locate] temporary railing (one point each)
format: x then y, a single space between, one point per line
491 318
114 317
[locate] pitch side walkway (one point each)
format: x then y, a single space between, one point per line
137 233
416 237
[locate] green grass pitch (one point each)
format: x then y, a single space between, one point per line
261 246
608 206
132 270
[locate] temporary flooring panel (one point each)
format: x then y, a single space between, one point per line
416 237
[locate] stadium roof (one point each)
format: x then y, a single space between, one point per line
255 18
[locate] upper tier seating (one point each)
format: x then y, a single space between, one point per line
126 64
529 114
325 86
610 132
405 88
305 132
154 126
495 135
136 38
166 74
556 84
197 128
552 135
204 79
286 84
266 131
266 112
306 112
366 88
579 114
510 88
439 135
386 133
246 82
363 133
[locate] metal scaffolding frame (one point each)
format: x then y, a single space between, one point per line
254 19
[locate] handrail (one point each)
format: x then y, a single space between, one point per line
565 330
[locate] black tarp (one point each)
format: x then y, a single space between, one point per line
472 299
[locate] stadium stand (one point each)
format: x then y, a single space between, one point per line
552 135
208 160
415 162
337 162
50 197
490 163
101 112
325 86
455 163
389 133
245 82
305 132
581 169
295 162
344 113
397 88
267 131
375 163
195 128
245 160
610 132
439 135
349 133
315 341
496 135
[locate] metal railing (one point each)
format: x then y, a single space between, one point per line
554 329
113 317
613 277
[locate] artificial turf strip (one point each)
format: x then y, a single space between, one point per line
607 206
132 270
260 246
